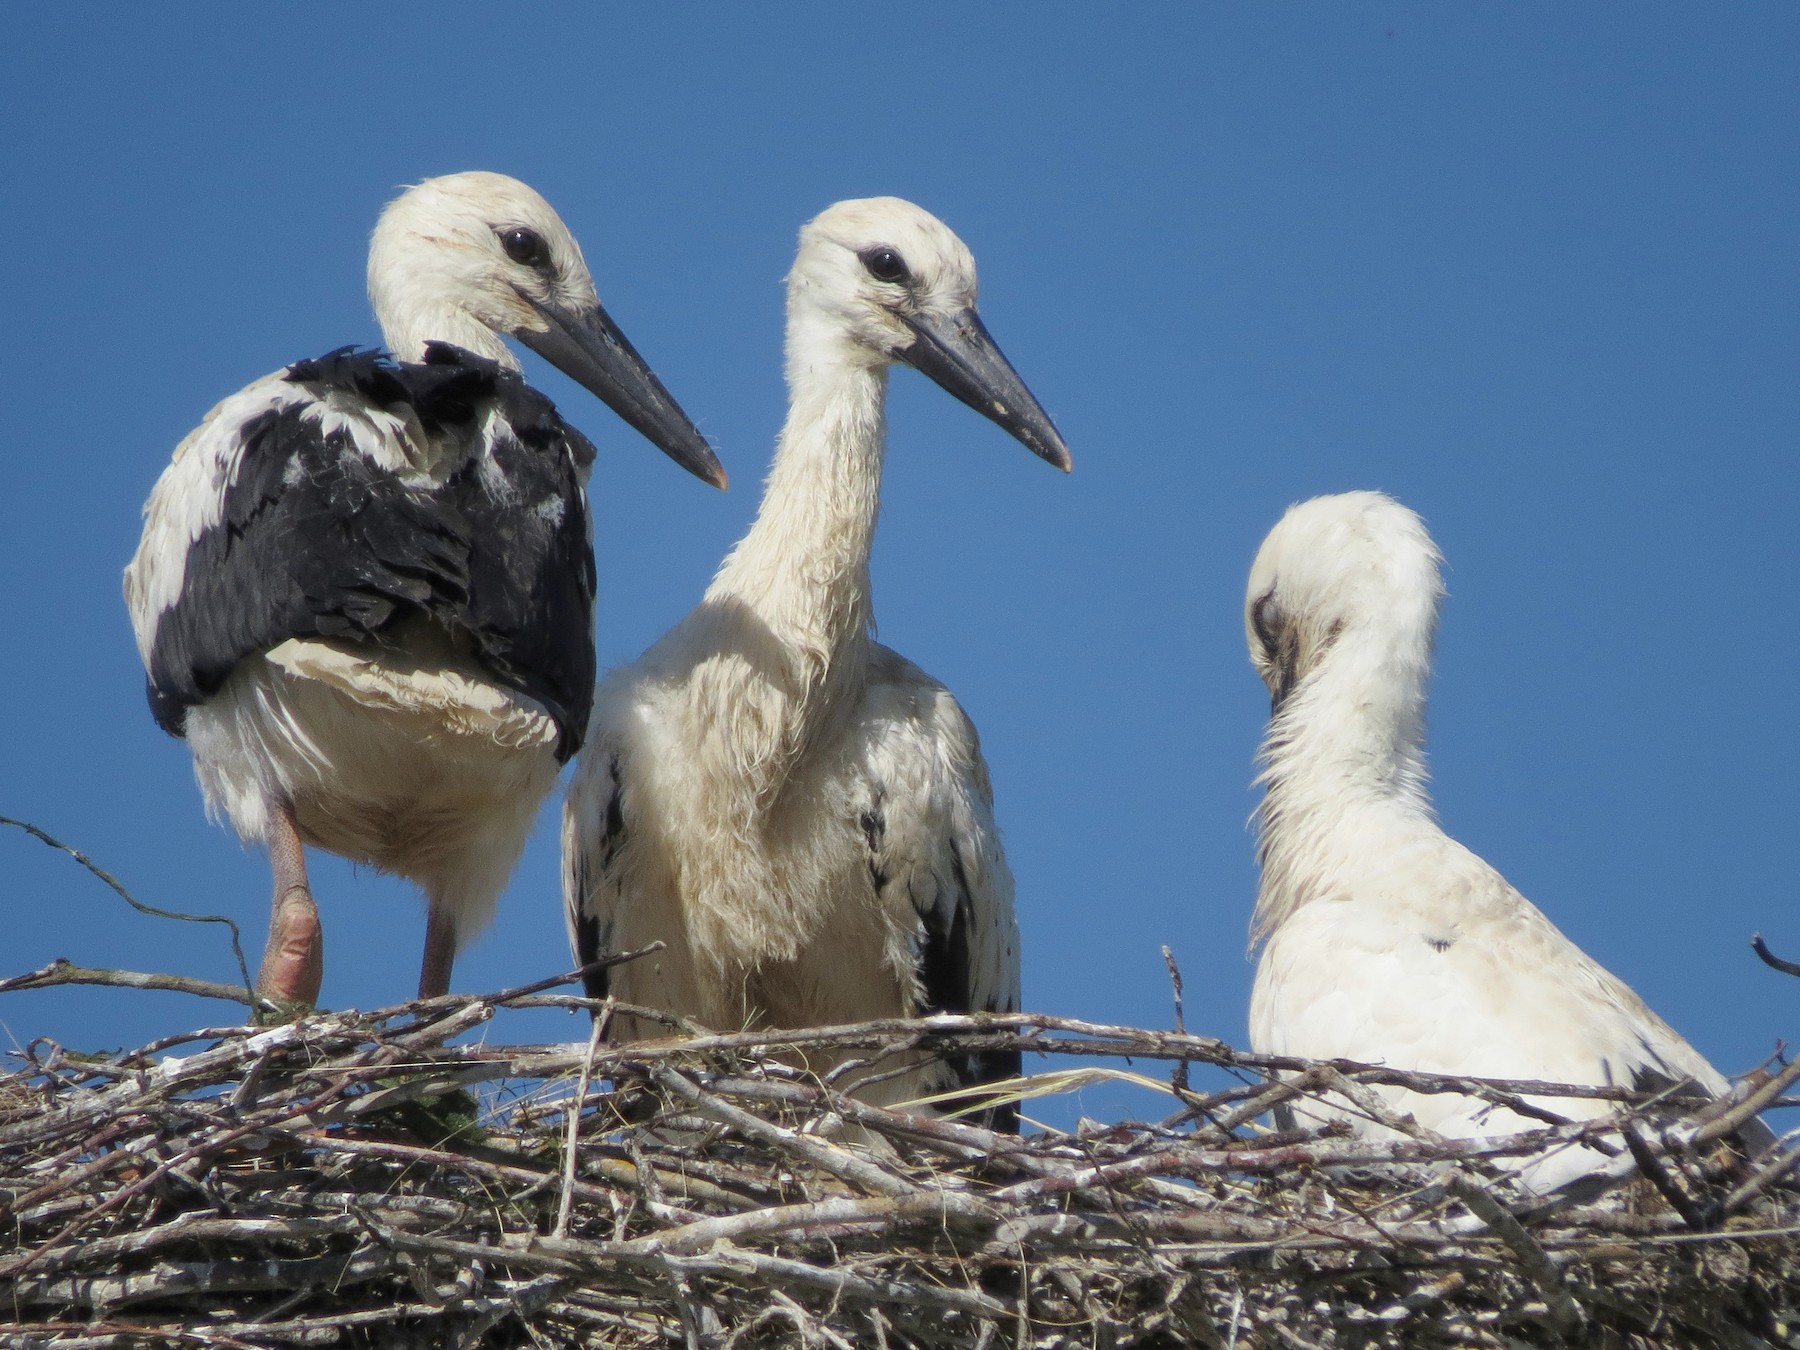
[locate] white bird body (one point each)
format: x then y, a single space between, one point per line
390 755
799 813
364 588
1382 939
427 771
767 899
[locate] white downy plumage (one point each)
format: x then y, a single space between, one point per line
1384 940
802 815
364 588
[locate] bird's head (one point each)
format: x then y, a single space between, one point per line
470 256
1353 565
879 280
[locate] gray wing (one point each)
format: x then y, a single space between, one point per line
593 830
928 818
286 515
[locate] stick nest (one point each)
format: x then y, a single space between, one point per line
356 1179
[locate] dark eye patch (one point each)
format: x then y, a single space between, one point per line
885 264
1265 620
525 246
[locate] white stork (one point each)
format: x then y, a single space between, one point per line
1383 939
799 813
364 591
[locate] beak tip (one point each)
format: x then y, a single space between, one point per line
703 464
1052 450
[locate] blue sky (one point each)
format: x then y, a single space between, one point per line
1533 270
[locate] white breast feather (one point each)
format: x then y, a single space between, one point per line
450 699
1421 956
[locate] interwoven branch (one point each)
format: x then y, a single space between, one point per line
372 1180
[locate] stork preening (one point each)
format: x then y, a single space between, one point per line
364 591
1383 939
799 813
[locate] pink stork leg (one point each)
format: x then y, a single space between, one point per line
293 963
440 949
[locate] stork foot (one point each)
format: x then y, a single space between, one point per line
440 952
293 964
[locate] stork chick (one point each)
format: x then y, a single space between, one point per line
364 591
801 815
1383 940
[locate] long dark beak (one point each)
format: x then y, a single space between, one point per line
956 351
587 346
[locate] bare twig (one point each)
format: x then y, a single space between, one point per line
1179 1078
1769 958
371 1178
1565 1314
520 995
1727 1121
237 947
574 1111
62 971
821 1154
1781 1162
1658 1175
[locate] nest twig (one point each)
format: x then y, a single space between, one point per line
360 1180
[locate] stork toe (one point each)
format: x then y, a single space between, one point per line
293 964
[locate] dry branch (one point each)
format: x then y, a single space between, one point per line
364 1180
1769 958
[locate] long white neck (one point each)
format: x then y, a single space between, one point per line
1344 766
803 568
407 324
797 585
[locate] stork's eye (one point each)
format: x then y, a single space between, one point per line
884 264
525 246
1264 617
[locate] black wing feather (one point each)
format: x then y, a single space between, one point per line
317 541
590 947
944 970
531 587
593 939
